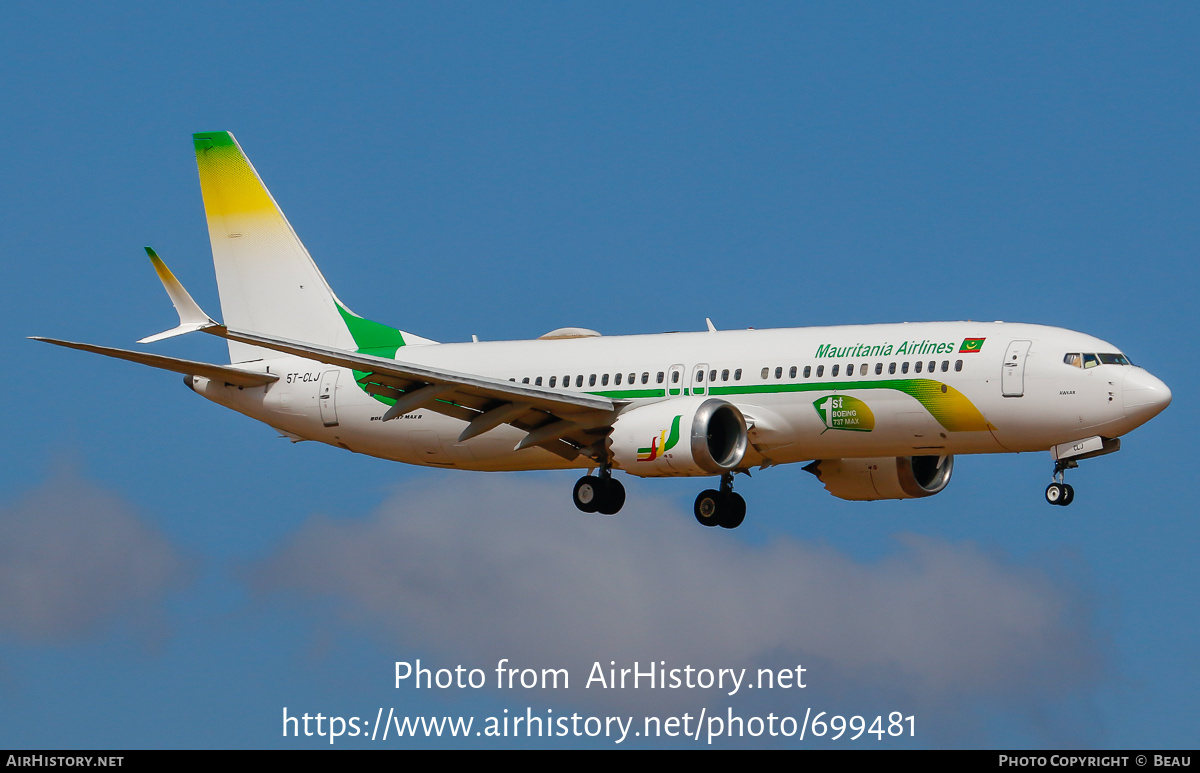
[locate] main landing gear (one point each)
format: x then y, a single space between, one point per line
604 494
601 493
1060 492
721 508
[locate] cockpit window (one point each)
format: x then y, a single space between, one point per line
1086 360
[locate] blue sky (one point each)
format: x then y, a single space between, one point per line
174 575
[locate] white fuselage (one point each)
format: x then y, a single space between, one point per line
770 375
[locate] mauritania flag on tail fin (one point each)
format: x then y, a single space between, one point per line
971 345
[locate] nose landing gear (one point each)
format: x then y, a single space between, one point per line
1060 492
721 508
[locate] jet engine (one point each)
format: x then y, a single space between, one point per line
682 436
889 477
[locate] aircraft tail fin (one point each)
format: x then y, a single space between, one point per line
268 283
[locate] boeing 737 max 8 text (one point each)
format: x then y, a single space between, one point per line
879 411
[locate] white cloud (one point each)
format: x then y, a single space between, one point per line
75 559
495 568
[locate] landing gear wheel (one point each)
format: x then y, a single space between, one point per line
734 511
599 494
612 496
587 493
1060 492
720 508
708 507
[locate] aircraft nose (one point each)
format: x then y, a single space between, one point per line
1144 395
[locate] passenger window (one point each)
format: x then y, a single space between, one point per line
579 380
765 372
862 369
957 366
834 372
1074 358
945 365
807 371
632 378
712 375
538 381
891 367
904 367
879 369
820 371
932 366
604 380
525 380
617 379
917 367
699 376
1090 361
779 373
737 375
725 375
592 380
553 380
792 372
660 376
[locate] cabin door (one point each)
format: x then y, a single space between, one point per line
675 381
327 399
1012 376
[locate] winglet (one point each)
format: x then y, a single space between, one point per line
191 316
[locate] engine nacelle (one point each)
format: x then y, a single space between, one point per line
682 436
889 477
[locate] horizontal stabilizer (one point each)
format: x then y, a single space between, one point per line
225 373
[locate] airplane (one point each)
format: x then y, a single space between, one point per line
877 411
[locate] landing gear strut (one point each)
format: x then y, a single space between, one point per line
1060 492
601 493
721 508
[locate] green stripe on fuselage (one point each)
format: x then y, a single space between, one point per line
949 406
630 394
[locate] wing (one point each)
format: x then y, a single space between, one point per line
566 423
